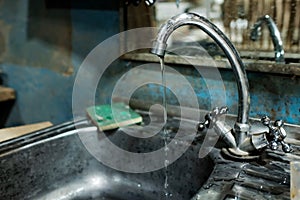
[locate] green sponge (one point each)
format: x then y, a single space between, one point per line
107 117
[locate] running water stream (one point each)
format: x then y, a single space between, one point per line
165 131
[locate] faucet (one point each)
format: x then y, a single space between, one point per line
239 141
274 33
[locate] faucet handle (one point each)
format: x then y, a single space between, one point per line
211 118
276 134
216 112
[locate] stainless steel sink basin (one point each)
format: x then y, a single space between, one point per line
54 164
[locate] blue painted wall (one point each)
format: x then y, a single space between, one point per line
44 88
45 92
277 96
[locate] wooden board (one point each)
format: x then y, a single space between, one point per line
13 132
6 93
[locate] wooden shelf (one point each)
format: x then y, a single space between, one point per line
222 63
7 94
14 132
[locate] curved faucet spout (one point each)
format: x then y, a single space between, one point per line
275 35
160 45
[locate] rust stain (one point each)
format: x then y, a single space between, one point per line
273 113
68 72
4 37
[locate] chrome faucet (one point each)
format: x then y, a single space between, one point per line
274 33
238 139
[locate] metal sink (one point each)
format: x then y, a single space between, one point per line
54 164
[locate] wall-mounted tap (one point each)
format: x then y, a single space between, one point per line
238 139
274 33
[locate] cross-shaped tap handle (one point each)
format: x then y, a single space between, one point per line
211 118
276 134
